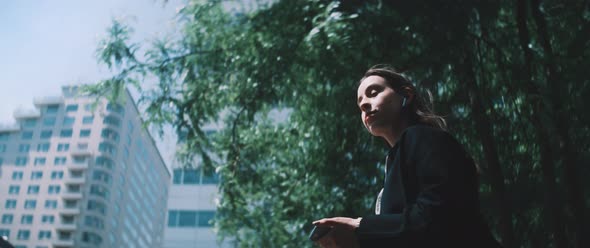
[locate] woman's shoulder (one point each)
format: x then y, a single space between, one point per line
425 130
424 134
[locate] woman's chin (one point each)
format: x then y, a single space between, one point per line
375 130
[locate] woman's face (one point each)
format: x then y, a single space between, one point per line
380 106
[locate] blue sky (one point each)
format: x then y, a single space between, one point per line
46 44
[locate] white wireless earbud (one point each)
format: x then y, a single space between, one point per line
404 102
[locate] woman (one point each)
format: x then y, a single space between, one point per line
430 195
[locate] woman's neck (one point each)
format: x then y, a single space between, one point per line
396 131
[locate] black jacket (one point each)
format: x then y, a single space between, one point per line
430 197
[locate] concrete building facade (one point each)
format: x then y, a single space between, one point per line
192 204
78 174
191 209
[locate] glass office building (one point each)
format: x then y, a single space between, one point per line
76 172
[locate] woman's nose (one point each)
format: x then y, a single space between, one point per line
365 106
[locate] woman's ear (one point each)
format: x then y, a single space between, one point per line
408 95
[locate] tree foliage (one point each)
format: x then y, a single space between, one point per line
509 75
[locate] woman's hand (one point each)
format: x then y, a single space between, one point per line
342 234
344 222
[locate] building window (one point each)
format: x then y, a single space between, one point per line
4 136
10 204
26 219
46 134
205 218
13 189
1 161
50 204
114 107
40 161
184 218
99 191
68 121
65 133
23 235
44 234
107 148
72 108
59 160
47 219
53 189
87 119
7 218
111 120
27 135
91 238
49 121
194 176
21 161
52 109
2 147
71 204
101 176
24 148
97 206
177 176
43 147
187 218
30 204
191 176
109 134
36 175
57 175
94 222
84 133
33 189
79 160
29 122
4 233
17 175
213 178
104 162
63 147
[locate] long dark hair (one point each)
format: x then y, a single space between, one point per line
419 109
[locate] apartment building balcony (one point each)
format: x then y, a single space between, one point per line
9 128
75 180
63 243
69 211
79 152
64 239
67 226
77 166
71 195
26 113
47 100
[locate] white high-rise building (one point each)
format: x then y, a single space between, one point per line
74 174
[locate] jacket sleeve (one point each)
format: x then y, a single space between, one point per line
442 181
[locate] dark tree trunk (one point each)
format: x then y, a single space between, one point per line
551 211
466 74
568 155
